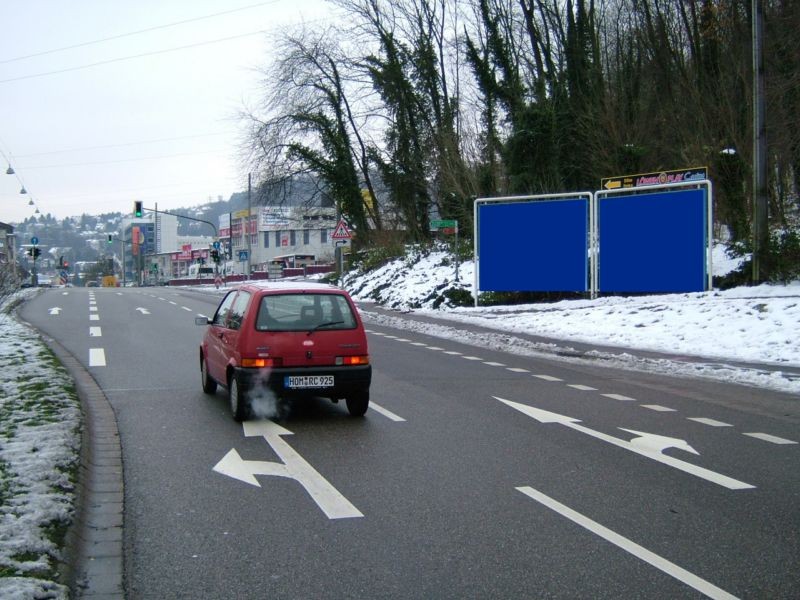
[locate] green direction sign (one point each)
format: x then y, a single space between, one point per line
443 224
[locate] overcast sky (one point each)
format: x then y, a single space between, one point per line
160 128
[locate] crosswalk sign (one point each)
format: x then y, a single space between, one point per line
341 232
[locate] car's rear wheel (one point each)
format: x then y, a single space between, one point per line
209 385
357 403
240 404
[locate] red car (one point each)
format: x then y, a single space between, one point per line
285 340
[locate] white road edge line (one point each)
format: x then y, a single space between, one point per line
662 564
386 413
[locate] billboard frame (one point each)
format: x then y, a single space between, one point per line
651 190
591 241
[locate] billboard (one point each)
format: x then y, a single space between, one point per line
653 242
536 243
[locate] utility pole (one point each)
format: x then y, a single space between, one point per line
760 201
247 227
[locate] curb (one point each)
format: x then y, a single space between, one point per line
93 561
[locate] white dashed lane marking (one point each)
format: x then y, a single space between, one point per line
97 357
619 397
710 422
547 378
95 332
583 388
386 413
658 408
769 438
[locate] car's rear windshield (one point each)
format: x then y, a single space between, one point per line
304 312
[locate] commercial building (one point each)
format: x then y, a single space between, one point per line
269 232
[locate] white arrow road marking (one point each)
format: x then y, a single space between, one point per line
95 332
662 564
65 293
648 445
294 466
144 311
55 310
97 357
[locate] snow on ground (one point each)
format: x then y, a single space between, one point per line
39 444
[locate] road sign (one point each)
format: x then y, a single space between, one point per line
242 255
341 232
657 178
34 240
444 224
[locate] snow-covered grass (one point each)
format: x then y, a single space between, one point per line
39 444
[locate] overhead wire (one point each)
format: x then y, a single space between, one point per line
131 57
122 145
137 32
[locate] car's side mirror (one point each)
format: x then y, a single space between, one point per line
202 321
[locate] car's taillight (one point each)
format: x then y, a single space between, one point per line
261 363
362 359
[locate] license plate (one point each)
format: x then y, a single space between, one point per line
307 381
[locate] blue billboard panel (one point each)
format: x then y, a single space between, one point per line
536 246
653 242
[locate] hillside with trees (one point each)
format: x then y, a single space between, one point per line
420 106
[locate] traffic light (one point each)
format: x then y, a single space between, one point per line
137 209
36 252
110 238
215 255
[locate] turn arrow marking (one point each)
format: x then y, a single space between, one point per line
648 445
55 310
144 311
294 466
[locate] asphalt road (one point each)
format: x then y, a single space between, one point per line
475 474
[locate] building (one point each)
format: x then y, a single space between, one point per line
8 244
272 231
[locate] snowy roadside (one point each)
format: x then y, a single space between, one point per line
40 420
758 325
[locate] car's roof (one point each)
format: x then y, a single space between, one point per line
290 286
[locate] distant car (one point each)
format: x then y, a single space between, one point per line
295 339
92 284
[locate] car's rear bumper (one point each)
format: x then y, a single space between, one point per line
347 380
